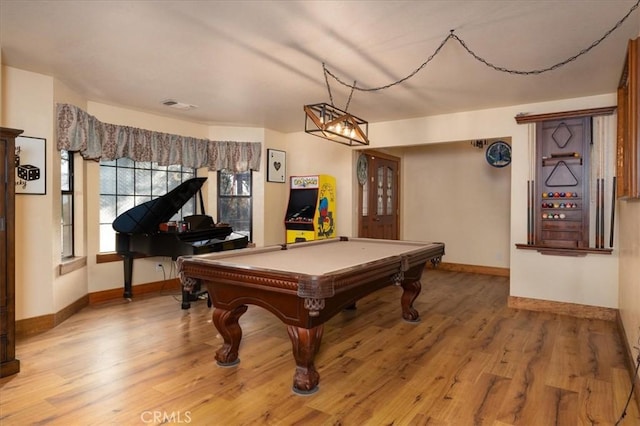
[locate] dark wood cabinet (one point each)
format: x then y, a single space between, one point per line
8 363
628 148
562 183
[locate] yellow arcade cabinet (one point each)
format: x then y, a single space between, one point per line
311 212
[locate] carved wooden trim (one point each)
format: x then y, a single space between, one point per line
628 142
590 112
561 251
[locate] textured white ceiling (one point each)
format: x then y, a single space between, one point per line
256 63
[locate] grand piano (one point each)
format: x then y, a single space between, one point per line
147 230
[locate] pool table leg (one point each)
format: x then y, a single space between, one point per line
226 323
306 343
411 291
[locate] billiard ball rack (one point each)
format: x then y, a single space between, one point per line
560 205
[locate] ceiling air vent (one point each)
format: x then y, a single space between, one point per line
171 103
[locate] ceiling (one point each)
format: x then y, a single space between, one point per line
256 63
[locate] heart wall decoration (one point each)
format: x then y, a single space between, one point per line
276 166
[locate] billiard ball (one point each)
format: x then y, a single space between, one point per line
550 195
562 194
562 216
544 215
562 206
568 195
575 194
556 194
544 195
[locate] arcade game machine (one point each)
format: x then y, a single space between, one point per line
311 212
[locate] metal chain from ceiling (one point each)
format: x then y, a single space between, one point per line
477 57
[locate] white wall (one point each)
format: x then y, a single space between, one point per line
310 155
451 194
629 268
629 299
276 195
589 280
27 105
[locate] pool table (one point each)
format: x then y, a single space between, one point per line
304 285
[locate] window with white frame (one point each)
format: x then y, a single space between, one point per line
66 186
125 183
235 201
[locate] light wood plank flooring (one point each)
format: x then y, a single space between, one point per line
470 361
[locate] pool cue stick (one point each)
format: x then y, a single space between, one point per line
529 212
600 185
598 213
531 196
533 218
602 196
613 211
601 242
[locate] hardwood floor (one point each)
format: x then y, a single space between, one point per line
470 361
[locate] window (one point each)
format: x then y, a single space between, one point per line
125 183
66 185
234 201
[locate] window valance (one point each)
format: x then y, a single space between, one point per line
82 132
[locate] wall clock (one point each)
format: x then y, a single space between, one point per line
498 154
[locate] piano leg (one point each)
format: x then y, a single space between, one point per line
193 295
127 261
186 297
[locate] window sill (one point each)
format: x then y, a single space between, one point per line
72 264
560 251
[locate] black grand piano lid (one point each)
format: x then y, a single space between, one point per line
146 217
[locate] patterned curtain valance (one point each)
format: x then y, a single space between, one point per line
79 131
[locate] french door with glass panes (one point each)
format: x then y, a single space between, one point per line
379 198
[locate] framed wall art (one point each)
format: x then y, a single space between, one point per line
276 166
30 162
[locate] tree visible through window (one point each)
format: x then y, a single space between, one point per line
125 183
234 201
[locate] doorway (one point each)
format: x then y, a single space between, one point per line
378 195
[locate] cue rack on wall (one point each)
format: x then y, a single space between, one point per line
558 189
